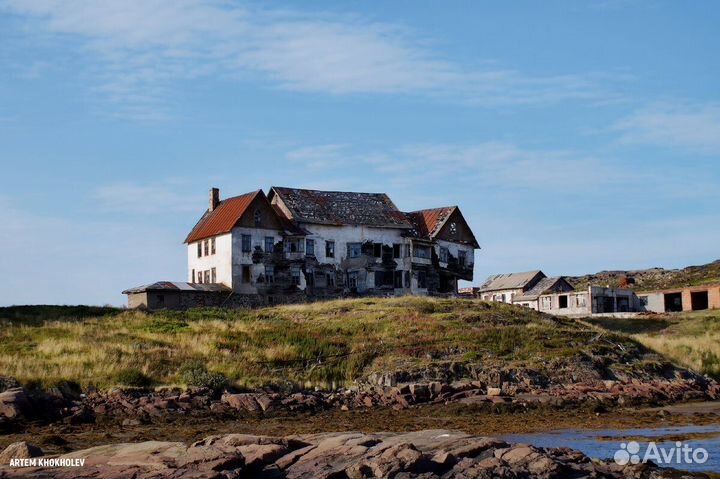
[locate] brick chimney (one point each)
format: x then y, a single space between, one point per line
214 198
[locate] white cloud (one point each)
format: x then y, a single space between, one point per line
140 47
693 127
168 197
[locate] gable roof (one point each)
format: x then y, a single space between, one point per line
542 287
340 208
223 218
509 281
429 222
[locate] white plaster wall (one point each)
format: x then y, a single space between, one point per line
240 258
509 295
572 308
453 249
342 235
221 260
656 302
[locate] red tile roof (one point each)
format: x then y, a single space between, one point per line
223 218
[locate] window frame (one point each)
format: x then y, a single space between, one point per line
329 248
245 248
271 241
354 247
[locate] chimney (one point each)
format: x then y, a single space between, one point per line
214 198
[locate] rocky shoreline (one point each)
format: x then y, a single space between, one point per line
19 406
428 454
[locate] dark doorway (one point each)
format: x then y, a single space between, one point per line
673 302
562 302
699 300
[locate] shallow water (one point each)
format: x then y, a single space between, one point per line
603 443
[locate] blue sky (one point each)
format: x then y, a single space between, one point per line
575 136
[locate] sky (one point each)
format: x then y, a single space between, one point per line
575 136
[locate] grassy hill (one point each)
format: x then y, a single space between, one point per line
654 278
328 343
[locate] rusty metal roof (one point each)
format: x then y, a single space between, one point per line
178 286
341 208
427 223
223 218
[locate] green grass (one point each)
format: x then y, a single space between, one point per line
325 343
691 339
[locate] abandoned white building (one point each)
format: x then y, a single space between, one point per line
556 295
295 244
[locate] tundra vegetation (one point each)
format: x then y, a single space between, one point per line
326 344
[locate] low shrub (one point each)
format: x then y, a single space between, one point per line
196 374
132 377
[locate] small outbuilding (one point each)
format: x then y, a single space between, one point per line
176 295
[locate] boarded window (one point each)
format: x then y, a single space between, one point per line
269 244
354 250
329 249
212 246
246 244
444 253
309 247
269 273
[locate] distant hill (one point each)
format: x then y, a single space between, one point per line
653 278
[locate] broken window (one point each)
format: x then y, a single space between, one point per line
354 250
352 281
295 273
330 279
212 246
547 302
213 276
644 300
246 273
329 249
293 245
377 250
444 253
269 244
398 279
397 250
422 279
562 302
407 250
309 247
407 279
269 274
258 218
462 258
246 243
310 278
421 251
199 249
453 228
207 247
580 300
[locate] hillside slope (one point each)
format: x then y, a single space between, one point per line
654 278
325 344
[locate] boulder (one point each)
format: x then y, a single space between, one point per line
19 450
15 404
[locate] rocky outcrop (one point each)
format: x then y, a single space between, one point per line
432 454
133 408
